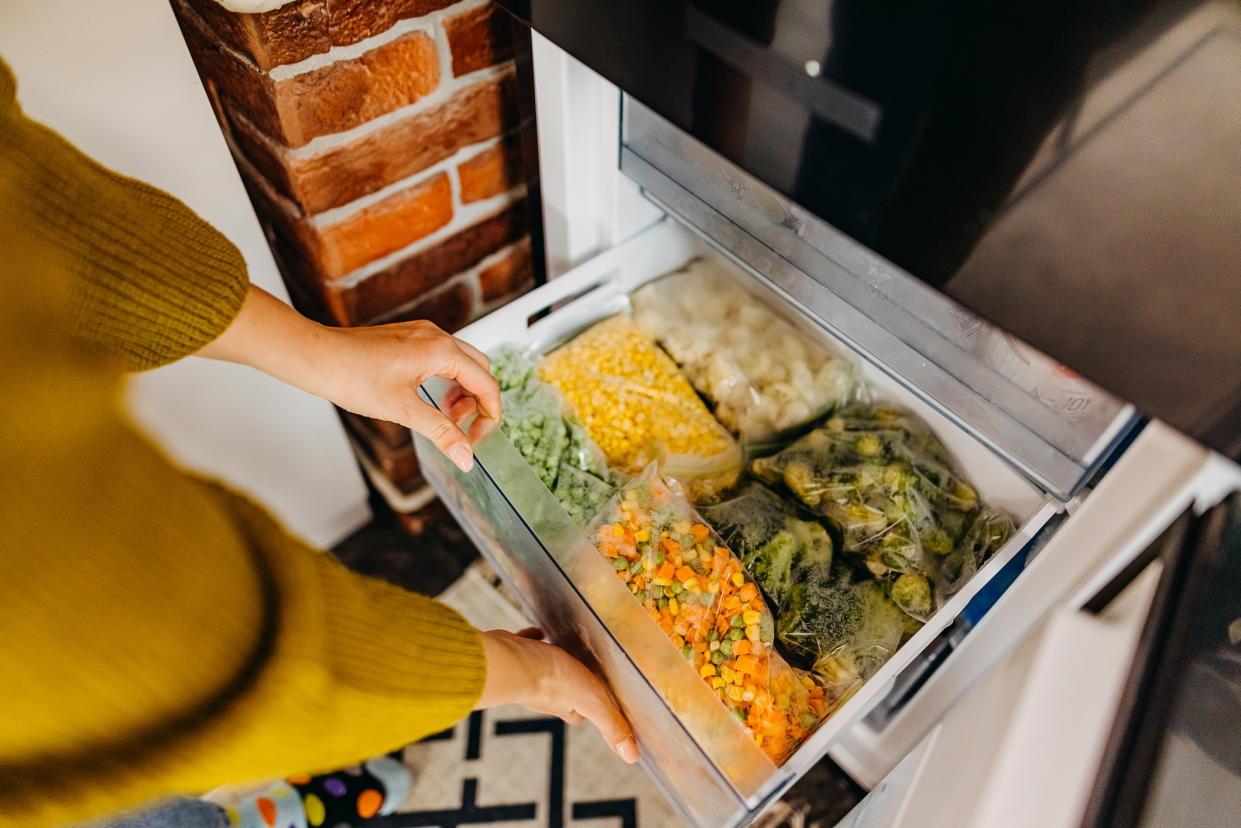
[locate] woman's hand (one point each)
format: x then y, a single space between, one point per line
376 372
373 371
542 677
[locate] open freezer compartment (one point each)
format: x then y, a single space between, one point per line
691 745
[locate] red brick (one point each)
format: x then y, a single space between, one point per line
479 38
392 435
450 308
428 516
386 226
398 463
333 98
235 80
513 270
379 158
300 29
348 93
491 172
352 20
382 292
288 34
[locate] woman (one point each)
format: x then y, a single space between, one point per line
160 633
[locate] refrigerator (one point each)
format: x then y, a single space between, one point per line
919 190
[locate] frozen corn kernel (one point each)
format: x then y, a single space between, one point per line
632 398
738 579
751 617
707 671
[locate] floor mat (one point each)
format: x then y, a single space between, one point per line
509 767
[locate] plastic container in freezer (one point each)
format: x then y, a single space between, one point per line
691 746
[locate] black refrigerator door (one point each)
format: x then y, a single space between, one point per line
1070 170
1174 755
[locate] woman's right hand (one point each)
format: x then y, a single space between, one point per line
524 670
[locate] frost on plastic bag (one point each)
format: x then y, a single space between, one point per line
638 408
698 594
552 442
883 478
987 533
581 494
760 373
774 545
842 629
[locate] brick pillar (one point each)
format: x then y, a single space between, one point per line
379 142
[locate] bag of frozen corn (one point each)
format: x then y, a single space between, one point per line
761 374
698 593
639 408
883 478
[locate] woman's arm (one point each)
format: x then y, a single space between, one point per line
373 371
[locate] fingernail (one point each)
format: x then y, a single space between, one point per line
462 456
627 749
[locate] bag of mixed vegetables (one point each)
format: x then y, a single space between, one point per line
826 622
552 441
883 478
696 590
761 374
638 408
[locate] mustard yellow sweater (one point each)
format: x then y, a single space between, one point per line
158 633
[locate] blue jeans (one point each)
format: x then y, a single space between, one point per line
180 812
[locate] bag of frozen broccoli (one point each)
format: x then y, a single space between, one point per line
842 629
760 373
696 590
773 543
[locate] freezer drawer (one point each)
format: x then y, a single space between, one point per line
695 750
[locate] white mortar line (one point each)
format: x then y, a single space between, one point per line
463 217
338 53
468 214
449 164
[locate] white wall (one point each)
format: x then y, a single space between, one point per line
115 78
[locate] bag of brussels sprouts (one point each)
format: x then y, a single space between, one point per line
883 479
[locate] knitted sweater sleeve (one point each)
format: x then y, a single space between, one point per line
162 634
152 282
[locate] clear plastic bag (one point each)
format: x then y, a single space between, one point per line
760 373
550 439
696 590
988 532
841 628
774 544
638 408
883 478
581 494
